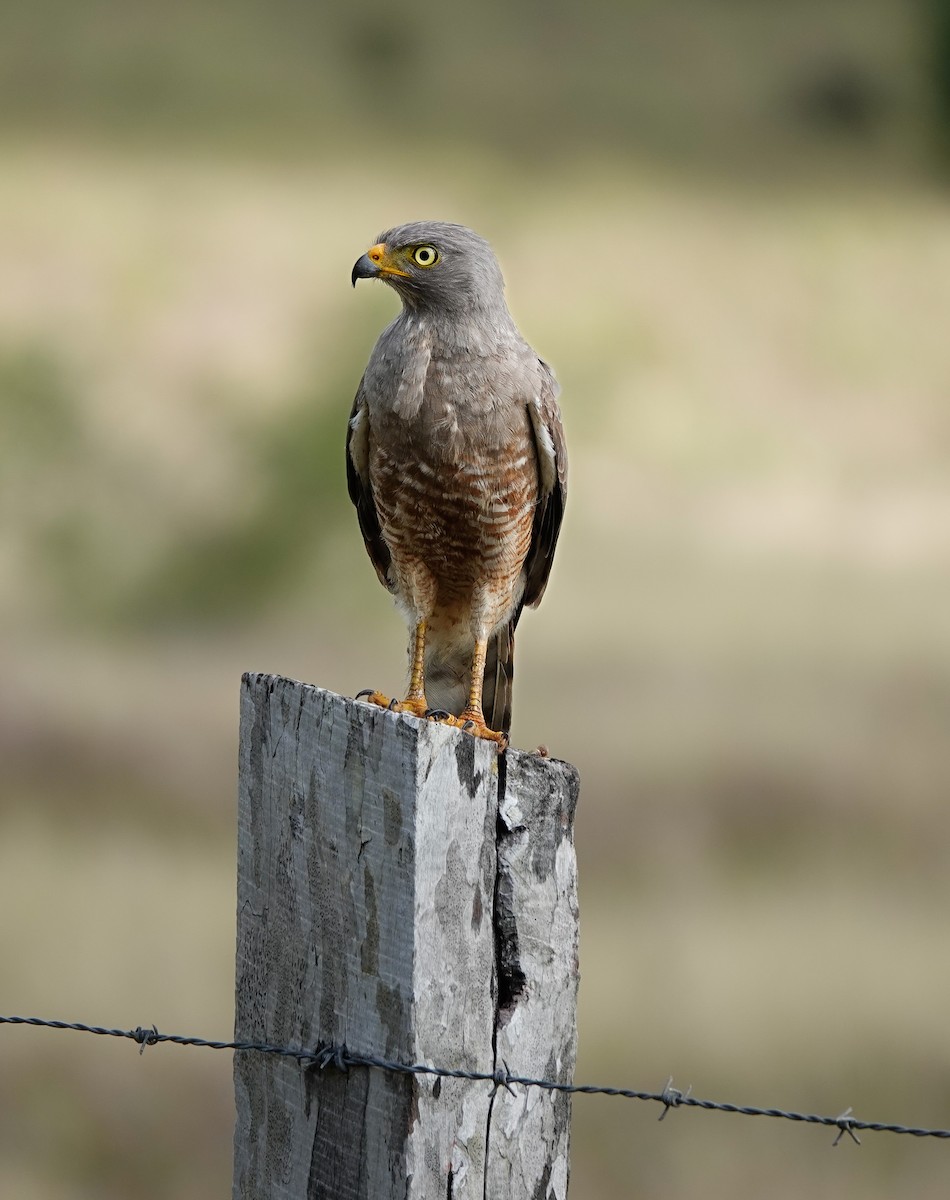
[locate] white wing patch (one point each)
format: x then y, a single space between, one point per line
547 457
359 441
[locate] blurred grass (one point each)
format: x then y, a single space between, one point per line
215 573
723 227
737 86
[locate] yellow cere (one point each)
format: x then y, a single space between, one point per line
382 256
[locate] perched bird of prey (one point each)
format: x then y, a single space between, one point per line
456 463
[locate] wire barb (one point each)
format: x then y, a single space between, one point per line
844 1122
146 1037
332 1056
501 1077
672 1097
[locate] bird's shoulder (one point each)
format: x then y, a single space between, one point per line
416 365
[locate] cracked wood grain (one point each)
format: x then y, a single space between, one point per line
401 892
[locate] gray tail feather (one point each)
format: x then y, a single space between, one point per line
499 677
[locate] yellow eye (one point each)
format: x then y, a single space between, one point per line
425 256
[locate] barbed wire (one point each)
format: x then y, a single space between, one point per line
341 1058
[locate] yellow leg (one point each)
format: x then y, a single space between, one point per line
473 710
473 719
415 701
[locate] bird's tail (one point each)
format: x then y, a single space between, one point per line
499 677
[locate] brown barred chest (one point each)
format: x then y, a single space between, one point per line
468 522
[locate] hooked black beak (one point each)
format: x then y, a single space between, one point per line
364 268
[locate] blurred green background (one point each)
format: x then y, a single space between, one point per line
728 227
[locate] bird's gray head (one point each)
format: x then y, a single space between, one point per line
436 266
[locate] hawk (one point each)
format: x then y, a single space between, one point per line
456 463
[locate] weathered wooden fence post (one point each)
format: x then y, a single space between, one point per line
404 891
